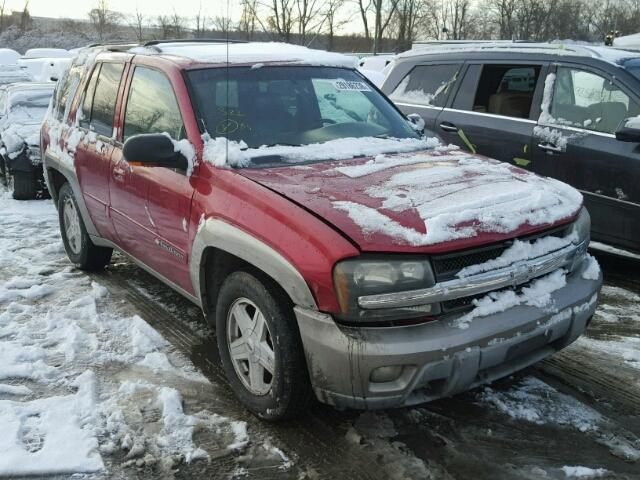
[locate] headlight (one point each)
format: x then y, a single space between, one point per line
358 277
581 229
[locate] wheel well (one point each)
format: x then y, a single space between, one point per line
56 180
216 266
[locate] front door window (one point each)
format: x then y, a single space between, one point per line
586 100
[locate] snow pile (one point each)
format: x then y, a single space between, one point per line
222 152
458 198
592 272
49 435
519 251
584 472
80 376
186 149
535 401
537 294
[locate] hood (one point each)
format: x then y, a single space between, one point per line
430 201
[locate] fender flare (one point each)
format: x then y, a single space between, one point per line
51 162
224 236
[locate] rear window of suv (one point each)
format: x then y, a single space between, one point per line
428 85
292 105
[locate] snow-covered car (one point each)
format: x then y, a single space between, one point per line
45 69
8 56
13 74
336 249
23 107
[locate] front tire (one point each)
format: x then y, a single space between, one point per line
260 347
79 247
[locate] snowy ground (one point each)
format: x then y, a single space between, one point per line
113 376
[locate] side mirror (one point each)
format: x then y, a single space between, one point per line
629 130
417 122
153 150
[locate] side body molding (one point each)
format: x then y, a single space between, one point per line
54 161
219 234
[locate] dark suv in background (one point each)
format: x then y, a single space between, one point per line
557 110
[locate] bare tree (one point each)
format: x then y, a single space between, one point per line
201 22
384 11
364 7
308 13
249 19
222 24
2 10
103 19
137 23
333 21
280 18
25 18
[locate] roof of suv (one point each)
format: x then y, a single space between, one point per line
217 52
608 54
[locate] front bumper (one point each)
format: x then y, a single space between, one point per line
439 358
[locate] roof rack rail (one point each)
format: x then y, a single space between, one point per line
153 43
113 47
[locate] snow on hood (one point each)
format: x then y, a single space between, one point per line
416 200
16 135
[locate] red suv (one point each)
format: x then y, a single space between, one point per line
337 250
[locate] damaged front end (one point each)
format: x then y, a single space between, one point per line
22 169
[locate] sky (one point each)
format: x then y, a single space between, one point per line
79 8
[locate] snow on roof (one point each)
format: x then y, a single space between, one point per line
47 52
612 55
253 52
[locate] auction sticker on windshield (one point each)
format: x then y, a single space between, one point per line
350 85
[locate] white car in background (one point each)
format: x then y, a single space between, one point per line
375 67
8 56
45 64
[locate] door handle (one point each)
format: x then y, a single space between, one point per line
118 174
448 127
548 147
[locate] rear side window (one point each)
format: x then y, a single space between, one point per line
152 106
104 98
427 85
65 92
506 90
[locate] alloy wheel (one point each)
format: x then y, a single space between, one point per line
72 226
250 346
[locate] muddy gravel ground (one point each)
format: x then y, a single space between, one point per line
580 408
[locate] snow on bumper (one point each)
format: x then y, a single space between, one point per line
440 359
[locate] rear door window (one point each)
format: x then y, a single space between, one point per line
428 85
104 98
590 101
506 90
152 106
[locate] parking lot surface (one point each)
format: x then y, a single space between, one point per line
139 368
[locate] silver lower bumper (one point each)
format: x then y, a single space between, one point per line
439 358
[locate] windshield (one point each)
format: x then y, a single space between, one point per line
29 106
292 105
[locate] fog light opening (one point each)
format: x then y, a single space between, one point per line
386 374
